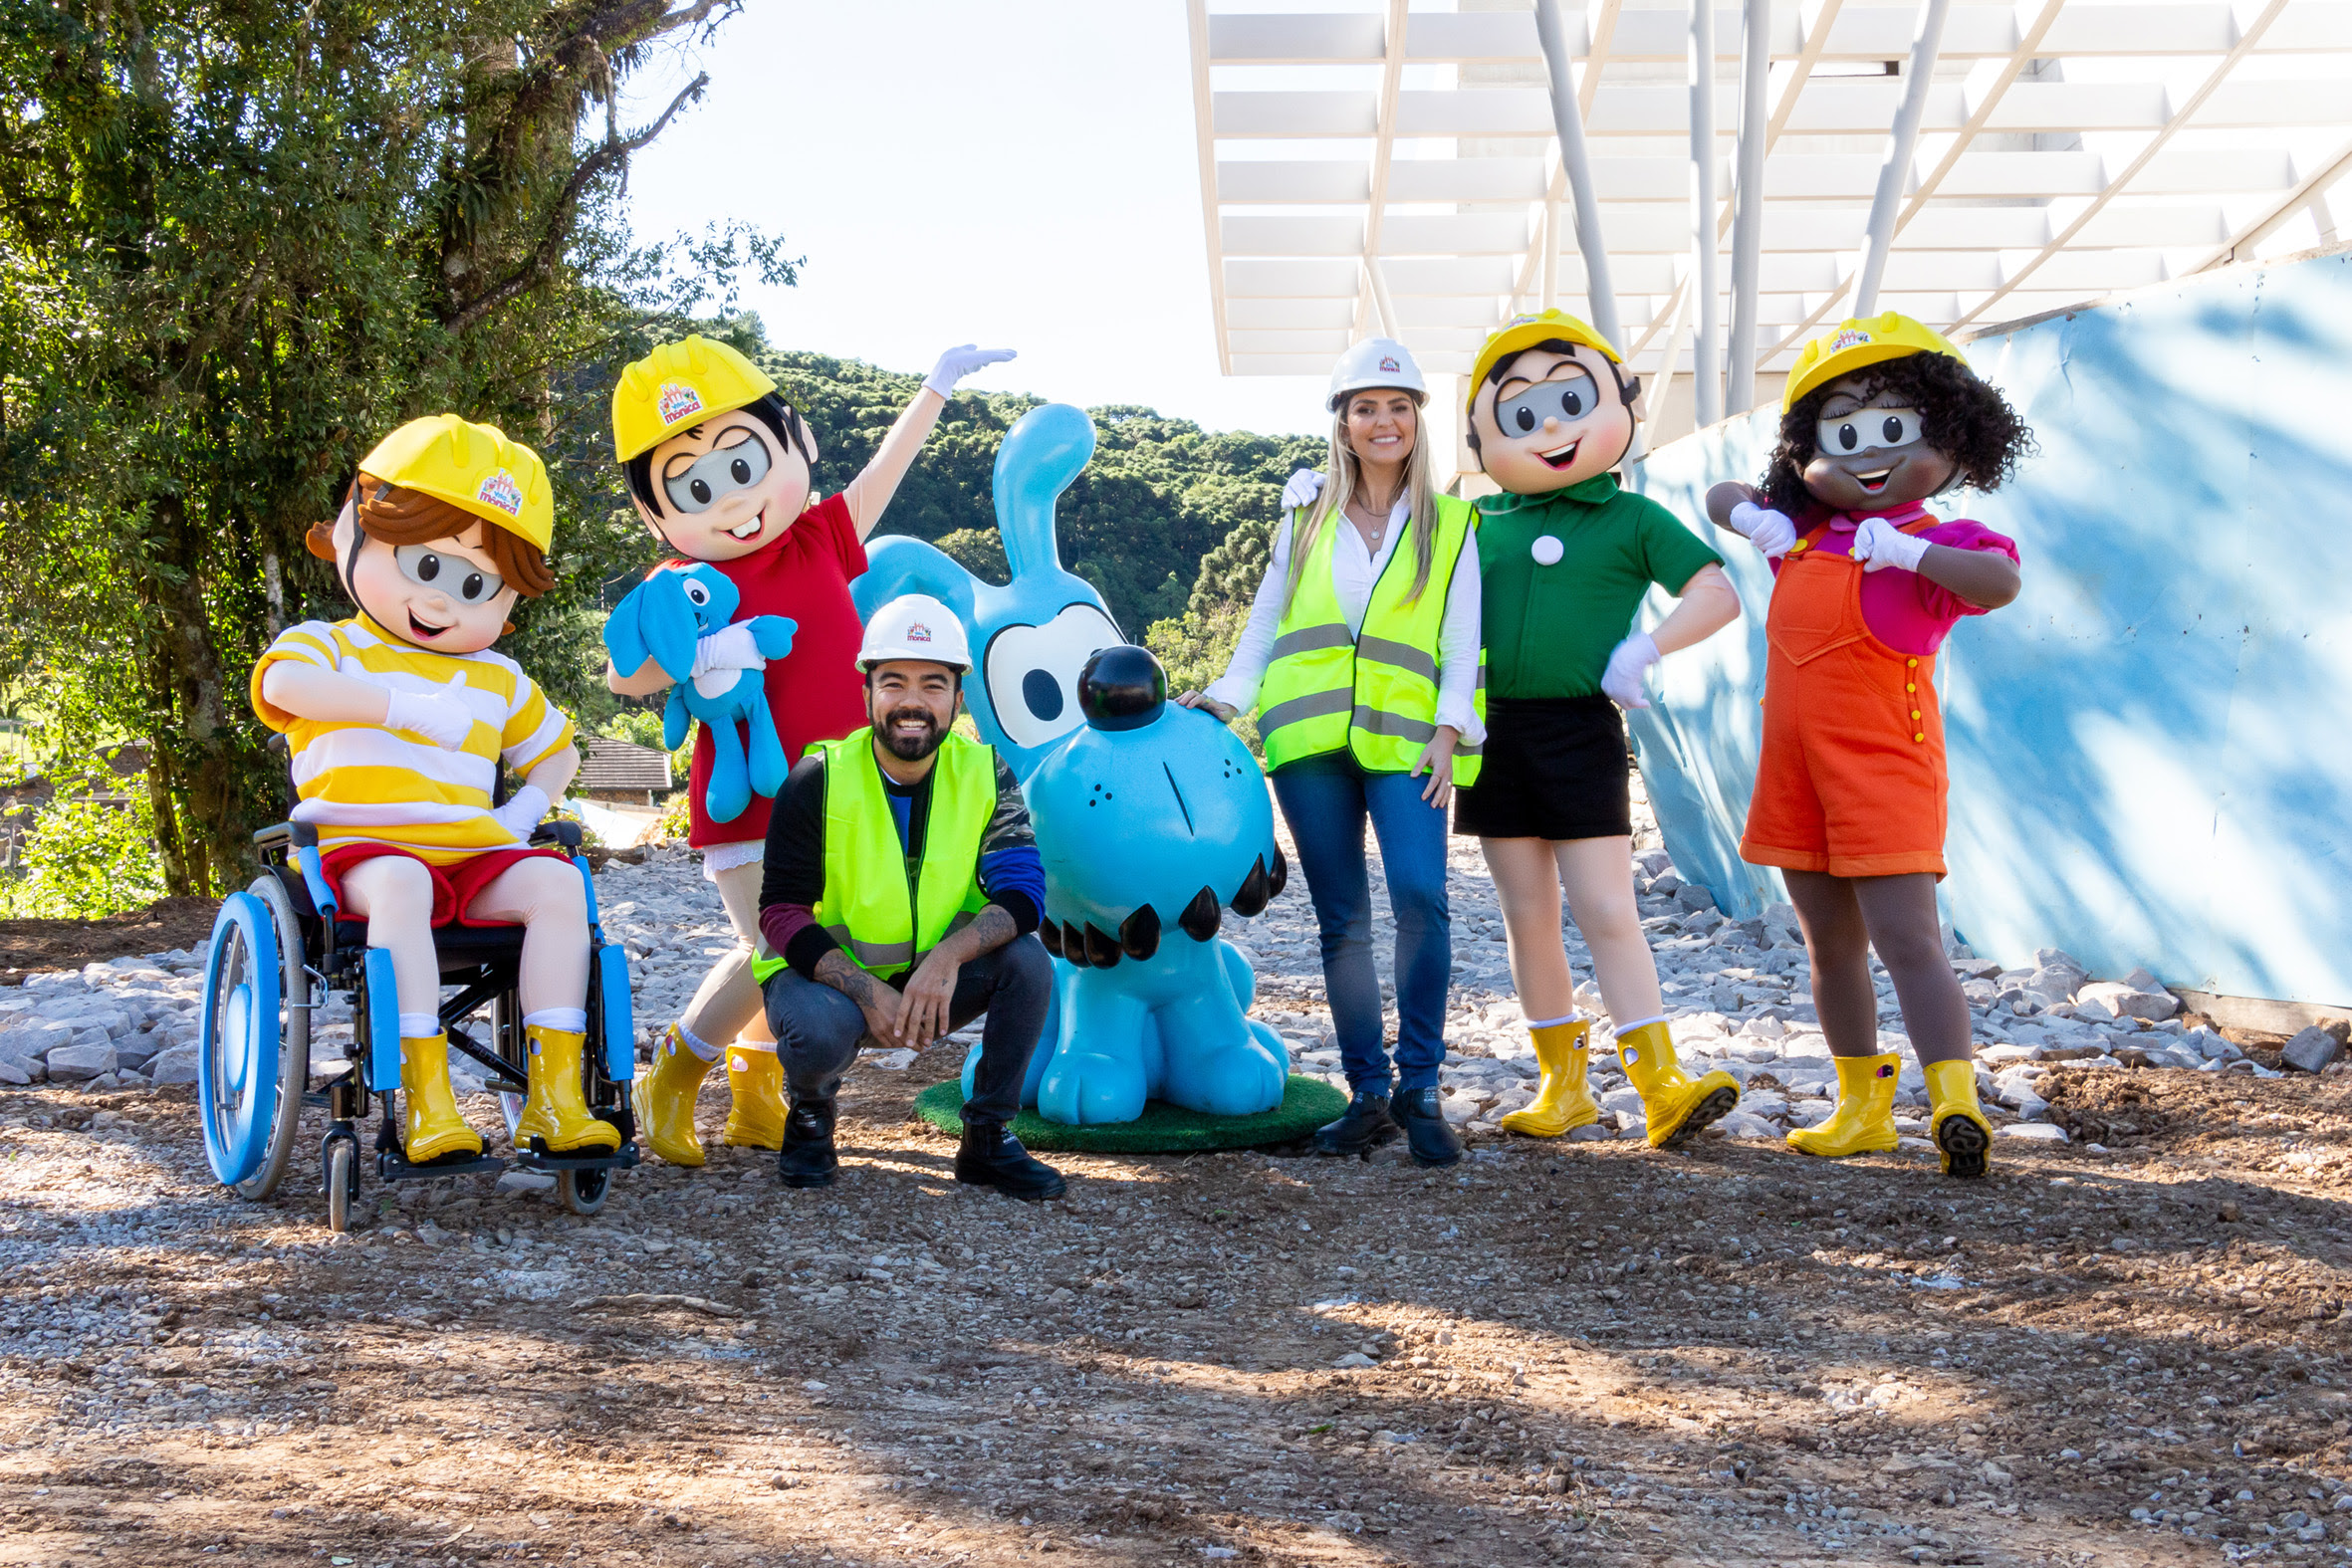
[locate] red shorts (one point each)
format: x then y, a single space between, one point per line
454 885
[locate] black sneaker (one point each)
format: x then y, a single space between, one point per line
807 1158
1428 1134
992 1157
1364 1126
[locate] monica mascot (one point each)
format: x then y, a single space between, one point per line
1151 820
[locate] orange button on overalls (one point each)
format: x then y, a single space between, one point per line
1851 780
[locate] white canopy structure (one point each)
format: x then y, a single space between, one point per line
1399 168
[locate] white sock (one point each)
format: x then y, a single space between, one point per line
1627 1028
563 1021
1546 1023
694 1042
762 1047
420 1026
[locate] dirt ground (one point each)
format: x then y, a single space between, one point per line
1567 1353
161 927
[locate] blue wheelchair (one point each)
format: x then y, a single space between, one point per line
281 946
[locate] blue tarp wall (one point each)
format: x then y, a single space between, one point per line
2152 748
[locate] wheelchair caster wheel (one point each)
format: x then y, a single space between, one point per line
342 1183
583 1192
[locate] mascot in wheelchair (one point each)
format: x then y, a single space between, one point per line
402 870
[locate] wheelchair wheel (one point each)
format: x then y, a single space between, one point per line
583 1192
256 1049
342 1183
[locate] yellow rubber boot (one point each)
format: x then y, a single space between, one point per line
555 1108
1562 1102
664 1100
755 1078
1865 1121
1674 1106
430 1124
1963 1136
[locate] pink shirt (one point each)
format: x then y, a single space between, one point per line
1903 610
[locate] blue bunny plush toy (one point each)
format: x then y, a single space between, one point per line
663 618
1149 822
1029 637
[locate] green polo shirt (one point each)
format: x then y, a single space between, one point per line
1549 629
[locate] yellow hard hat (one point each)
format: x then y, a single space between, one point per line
676 387
474 468
1856 343
1525 332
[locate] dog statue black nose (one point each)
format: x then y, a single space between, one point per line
1121 688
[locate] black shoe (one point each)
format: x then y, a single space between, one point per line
992 1157
807 1158
1364 1126
1428 1134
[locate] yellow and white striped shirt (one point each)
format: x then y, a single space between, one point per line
365 783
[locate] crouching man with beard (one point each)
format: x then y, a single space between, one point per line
902 890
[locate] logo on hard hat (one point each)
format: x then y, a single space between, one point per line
677 401
918 633
1388 362
1851 338
497 489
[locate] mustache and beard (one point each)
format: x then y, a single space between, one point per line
908 746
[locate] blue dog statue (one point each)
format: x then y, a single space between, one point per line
1031 635
1151 819
662 618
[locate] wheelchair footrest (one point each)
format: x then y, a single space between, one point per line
538 1158
393 1166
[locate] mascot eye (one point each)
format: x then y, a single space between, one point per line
1526 418
1848 438
1892 429
429 568
1572 401
740 471
1033 672
696 594
700 490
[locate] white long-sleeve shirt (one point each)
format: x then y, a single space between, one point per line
1354 568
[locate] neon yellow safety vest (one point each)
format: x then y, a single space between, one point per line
884 906
1373 692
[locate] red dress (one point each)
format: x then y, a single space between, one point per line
814 691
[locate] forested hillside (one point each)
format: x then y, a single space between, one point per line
1160 496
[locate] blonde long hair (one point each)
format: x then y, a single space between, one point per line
1340 481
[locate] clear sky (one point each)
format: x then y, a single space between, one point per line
1020 175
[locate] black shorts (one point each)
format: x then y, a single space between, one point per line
1555 768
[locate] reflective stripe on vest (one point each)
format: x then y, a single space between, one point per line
885 910
1372 693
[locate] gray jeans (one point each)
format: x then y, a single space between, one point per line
818 1030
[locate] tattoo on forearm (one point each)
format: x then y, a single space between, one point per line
990 929
836 970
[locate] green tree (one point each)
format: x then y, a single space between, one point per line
240 240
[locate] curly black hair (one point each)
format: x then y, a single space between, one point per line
1965 416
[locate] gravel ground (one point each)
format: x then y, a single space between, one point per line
2124 1348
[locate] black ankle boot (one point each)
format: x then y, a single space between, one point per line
1364 1126
992 1157
807 1158
1428 1134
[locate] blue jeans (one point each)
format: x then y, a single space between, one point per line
1326 800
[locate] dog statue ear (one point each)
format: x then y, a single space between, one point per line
655 620
1044 451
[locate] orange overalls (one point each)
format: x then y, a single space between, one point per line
1851 778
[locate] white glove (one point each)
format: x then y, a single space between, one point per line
959 362
439 718
1878 545
1627 665
1769 530
1303 487
523 811
729 648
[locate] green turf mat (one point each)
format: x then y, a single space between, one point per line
1307 1103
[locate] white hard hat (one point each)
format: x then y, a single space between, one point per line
1376 361
915 626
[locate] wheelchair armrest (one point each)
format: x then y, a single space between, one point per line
557 831
287 835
